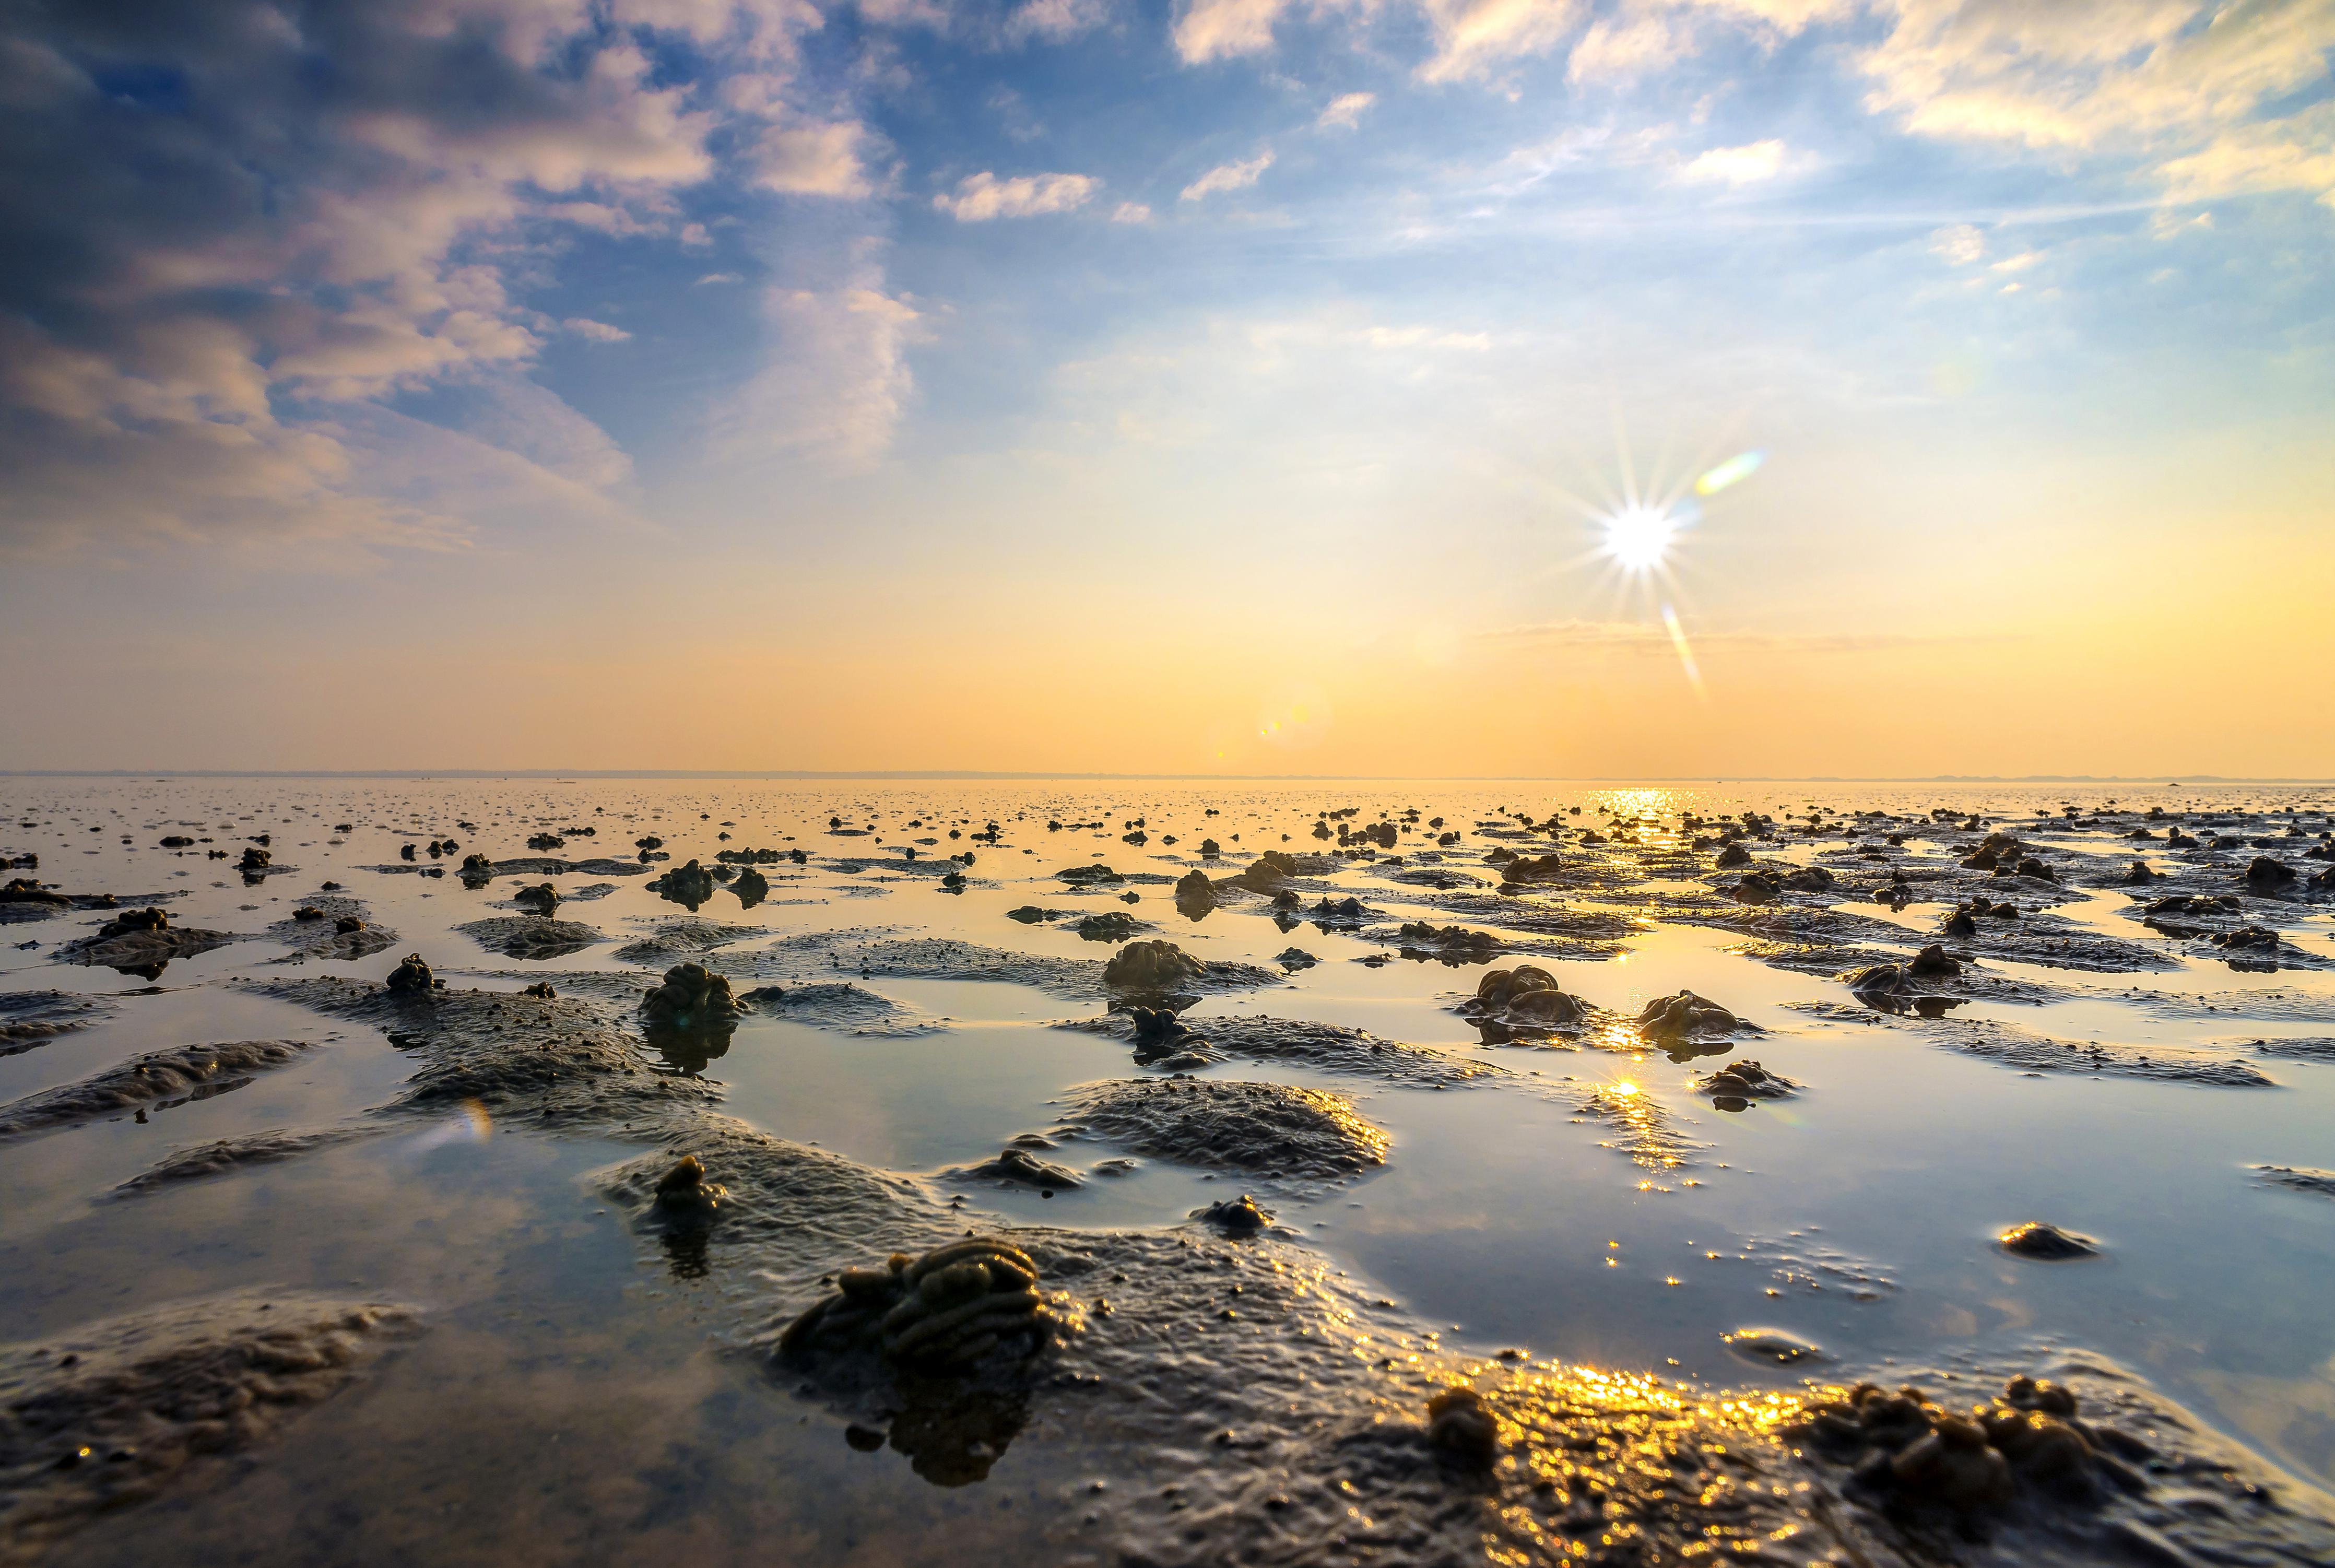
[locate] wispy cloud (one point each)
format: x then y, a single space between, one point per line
1228 177
1736 165
980 198
1345 111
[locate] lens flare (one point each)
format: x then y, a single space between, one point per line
1685 653
1640 536
1742 466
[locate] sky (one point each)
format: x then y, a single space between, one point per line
1562 388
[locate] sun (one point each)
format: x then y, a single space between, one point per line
1639 537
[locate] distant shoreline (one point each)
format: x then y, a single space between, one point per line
2161 781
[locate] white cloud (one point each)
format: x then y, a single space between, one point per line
1055 20
981 196
1131 212
1623 46
714 277
1473 36
1218 29
595 331
837 379
2180 82
1961 244
1346 111
812 159
1736 166
2019 263
1228 177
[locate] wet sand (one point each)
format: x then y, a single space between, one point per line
1765 1078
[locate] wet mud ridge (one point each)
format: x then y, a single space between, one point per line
111 1413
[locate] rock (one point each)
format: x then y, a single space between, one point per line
412 977
257 859
1744 1081
1772 1348
689 884
1961 924
751 887
2046 1242
1194 891
1237 1216
1526 994
1934 960
1153 966
541 899
691 996
684 1191
1685 1017
1294 959
1463 1429
132 923
1758 887
1022 1168
1112 925
2264 872
1908 1449
1731 857
2031 866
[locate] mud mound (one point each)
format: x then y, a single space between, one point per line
1262 1128
553 1060
534 936
156 1079
31 1018
114 1412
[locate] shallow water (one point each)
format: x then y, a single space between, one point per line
571 1402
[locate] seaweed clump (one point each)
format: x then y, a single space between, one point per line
953 1307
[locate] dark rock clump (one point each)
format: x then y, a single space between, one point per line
1151 966
2047 1242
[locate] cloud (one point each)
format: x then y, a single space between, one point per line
1227 177
714 277
1346 111
1961 244
1130 212
812 159
260 226
1217 29
1055 20
981 196
2193 89
1736 166
837 382
1622 47
1473 36
595 331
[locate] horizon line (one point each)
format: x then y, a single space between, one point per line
2166 781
